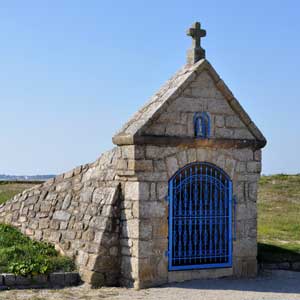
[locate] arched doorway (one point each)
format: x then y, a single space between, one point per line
200 218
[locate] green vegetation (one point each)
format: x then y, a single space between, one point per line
9 189
279 218
21 255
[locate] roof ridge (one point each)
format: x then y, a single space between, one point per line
170 91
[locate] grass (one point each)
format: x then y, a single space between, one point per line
279 218
9 189
21 255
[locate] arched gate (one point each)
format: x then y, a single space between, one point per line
200 218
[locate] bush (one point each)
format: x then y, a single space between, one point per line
22 256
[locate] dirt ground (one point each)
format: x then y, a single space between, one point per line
273 285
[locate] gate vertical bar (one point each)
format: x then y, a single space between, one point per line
215 221
210 214
226 220
205 214
221 219
170 256
230 222
185 218
190 217
179 219
200 213
195 211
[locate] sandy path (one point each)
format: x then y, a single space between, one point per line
276 285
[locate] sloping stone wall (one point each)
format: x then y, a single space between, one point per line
79 212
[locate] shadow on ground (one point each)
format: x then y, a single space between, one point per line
268 253
267 282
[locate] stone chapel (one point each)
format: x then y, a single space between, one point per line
175 199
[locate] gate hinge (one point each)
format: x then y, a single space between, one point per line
167 198
166 253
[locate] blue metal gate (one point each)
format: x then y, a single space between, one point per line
200 214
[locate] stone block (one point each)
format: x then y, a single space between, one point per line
71 278
122 164
98 222
145 249
57 279
129 266
153 209
140 165
160 229
240 167
23 280
63 186
153 152
215 106
156 129
224 133
22 219
146 230
68 174
242 134
172 165
67 202
61 215
44 223
254 167
70 235
162 190
192 155
252 190
55 236
9 279
234 122
130 229
245 247
128 152
86 194
176 130
202 155
243 154
246 211
159 165
257 155
219 121
40 280
132 191
182 158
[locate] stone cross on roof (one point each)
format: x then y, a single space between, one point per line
196 52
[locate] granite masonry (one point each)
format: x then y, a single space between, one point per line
112 215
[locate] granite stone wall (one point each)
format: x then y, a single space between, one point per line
201 95
78 211
145 240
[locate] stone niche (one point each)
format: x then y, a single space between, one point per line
113 215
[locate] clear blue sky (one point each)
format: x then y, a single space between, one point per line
72 72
